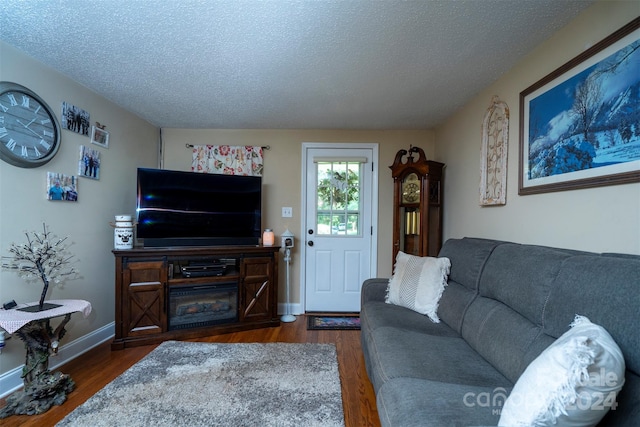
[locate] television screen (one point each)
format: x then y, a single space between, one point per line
177 208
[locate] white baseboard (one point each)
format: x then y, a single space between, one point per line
11 381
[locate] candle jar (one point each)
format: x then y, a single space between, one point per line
268 238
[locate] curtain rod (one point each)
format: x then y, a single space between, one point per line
264 147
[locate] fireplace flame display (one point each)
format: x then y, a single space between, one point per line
202 305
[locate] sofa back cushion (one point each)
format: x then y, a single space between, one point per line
606 289
521 276
505 323
468 257
528 295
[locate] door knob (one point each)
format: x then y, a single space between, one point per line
310 243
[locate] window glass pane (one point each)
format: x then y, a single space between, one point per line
324 186
353 224
324 224
338 224
338 205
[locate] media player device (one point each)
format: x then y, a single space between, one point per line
204 269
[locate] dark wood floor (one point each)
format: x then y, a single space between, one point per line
96 368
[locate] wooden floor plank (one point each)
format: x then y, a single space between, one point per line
99 366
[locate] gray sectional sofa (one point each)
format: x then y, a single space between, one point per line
503 305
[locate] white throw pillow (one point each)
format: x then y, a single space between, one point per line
574 382
418 282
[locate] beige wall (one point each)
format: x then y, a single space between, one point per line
23 204
598 219
283 169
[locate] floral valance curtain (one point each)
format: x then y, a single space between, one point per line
228 160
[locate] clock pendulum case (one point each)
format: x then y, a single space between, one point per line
29 130
417 203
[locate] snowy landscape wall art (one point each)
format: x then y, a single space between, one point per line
580 125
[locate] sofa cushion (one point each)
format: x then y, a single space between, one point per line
502 336
374 290
379 314
396 353
574 382
468 257
418 283
504 323
606 289
375 313
628 411
521 276
411 402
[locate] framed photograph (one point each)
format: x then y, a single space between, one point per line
580 125
61 187
89 163
75 119
99 137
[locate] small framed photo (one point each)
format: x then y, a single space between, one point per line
99 137
75 119
62 187
89 163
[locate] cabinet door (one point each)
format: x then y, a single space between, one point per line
144 310
257 293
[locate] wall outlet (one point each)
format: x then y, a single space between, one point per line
287 212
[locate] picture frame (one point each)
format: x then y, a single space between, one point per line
89 163
579 125
75 119
62 187
99 137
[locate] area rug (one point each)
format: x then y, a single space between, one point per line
316 322
211 384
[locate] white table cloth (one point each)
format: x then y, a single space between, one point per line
14 319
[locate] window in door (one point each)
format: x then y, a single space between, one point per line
339 187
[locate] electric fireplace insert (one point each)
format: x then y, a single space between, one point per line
202 305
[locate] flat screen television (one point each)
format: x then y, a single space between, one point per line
176 208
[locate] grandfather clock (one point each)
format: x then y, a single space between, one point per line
417 203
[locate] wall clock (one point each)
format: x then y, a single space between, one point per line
29 131
417 203
411 189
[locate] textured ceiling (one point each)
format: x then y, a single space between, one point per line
284 64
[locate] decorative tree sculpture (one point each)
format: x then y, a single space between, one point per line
44 257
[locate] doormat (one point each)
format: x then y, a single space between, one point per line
327 323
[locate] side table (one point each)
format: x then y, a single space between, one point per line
42 388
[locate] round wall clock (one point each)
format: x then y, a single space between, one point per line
29 131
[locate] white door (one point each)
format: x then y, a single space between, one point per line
338 227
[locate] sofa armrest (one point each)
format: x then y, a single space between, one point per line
374 289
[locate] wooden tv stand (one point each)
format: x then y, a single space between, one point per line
144 277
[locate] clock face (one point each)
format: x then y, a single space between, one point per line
29 131
411 189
